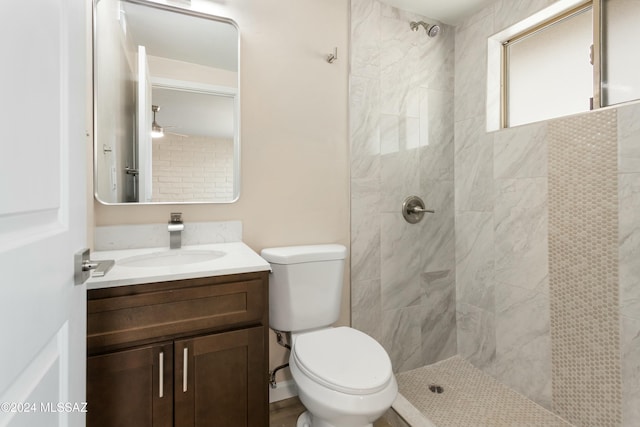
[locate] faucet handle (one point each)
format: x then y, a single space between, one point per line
176 218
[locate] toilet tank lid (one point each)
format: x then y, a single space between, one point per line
308 253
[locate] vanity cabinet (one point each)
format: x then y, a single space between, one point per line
123 387
185 353
216 372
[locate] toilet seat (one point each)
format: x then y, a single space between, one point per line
343 359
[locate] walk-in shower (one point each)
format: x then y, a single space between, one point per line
431 29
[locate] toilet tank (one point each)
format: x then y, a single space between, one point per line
305 287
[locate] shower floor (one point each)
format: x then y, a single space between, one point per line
470 398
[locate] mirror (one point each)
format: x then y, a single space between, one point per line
166 104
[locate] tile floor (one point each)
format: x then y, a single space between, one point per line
470 398
285 414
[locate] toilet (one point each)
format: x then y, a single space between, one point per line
344 377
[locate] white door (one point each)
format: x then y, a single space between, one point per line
145 119
43 178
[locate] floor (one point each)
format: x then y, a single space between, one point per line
451 393
469 397
285 414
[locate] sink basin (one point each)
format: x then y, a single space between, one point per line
171 257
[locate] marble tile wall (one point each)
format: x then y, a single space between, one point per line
401 125
502 230
490 254
502 282
628 255
501 222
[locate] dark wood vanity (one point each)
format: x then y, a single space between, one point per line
179 353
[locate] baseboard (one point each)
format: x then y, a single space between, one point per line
284 390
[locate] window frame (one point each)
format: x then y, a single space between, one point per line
497 81
537 28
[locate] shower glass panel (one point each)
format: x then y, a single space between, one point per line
621 61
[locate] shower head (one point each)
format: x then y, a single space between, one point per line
431 29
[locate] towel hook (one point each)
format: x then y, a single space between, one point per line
332 56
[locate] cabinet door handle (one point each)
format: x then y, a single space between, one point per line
185 366
161 374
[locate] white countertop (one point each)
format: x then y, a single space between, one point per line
238 258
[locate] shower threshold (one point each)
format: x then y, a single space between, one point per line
454 393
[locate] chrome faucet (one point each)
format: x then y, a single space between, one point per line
175 228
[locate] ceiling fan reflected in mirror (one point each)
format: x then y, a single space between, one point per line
158 131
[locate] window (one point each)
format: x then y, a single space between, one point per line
548 70
621 61
571 57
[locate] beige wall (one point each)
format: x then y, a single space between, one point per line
294 162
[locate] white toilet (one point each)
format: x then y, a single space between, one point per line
344 377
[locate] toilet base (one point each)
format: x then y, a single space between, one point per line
306 420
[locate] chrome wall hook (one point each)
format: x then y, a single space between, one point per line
332 56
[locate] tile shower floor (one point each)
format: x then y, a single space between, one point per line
470 398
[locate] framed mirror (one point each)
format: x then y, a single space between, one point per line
166 104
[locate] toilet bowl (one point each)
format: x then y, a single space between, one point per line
344 378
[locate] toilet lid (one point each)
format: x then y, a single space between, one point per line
343 359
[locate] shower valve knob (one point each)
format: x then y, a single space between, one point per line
413 209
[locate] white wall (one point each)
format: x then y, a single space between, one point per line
179 70
192 168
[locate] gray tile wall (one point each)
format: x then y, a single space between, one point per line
502 234
406 137
401 107
501 216
629 259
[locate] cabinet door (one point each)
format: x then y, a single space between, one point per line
131 388
221 380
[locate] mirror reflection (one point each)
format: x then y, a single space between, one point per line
166 105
